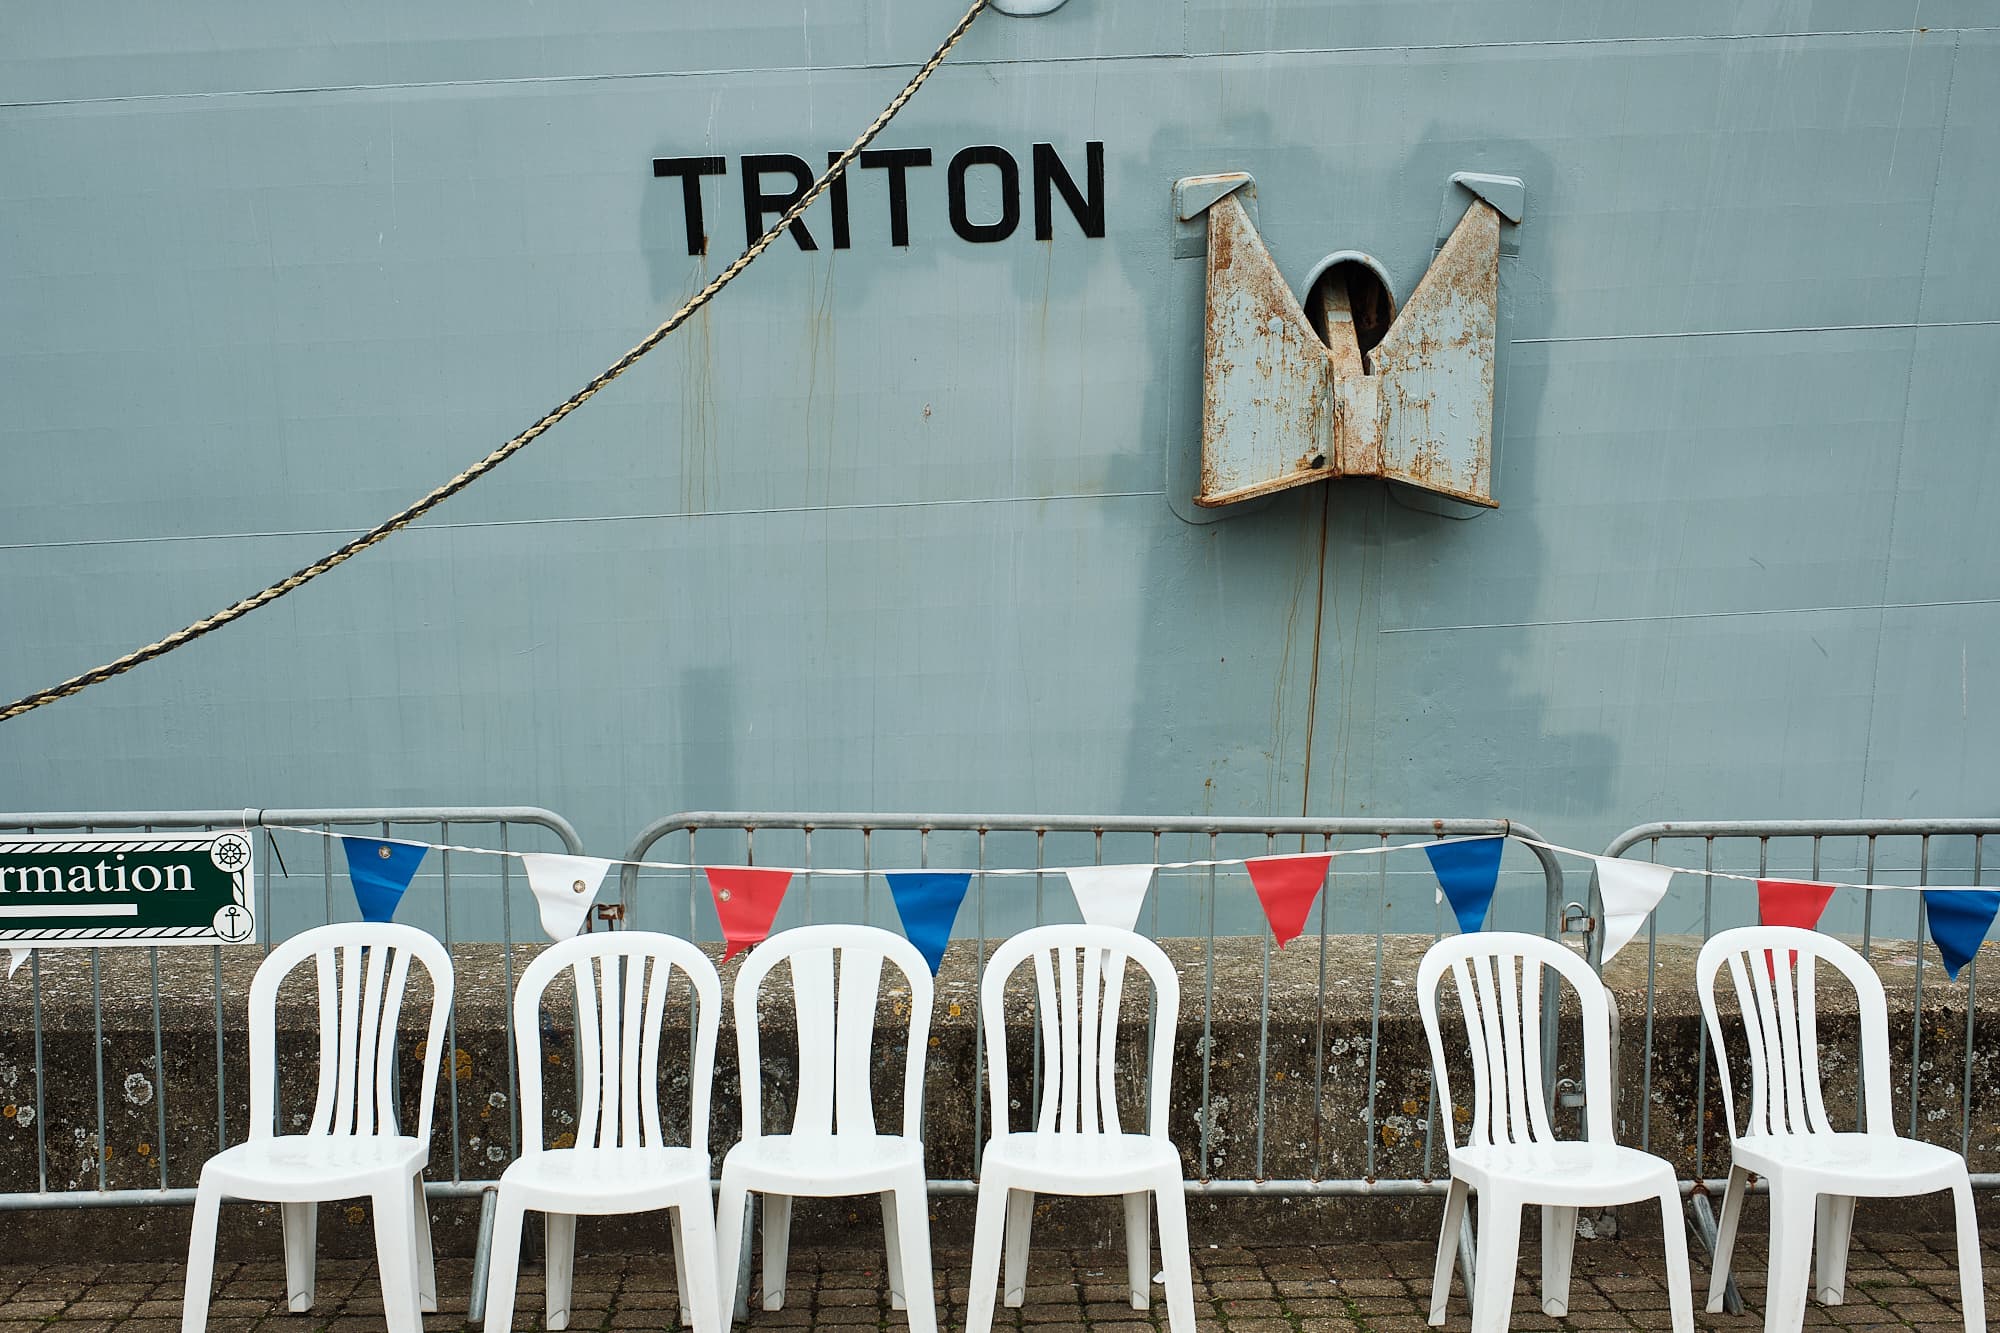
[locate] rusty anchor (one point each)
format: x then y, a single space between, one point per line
1351 387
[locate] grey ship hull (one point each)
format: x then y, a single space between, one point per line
902 526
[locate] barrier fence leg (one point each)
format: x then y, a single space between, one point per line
1465 1255
1701 1221
482 1260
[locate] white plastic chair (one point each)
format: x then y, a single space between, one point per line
1512 1157
1077 1146
833 1149
622 1162
1815 1171
352 1147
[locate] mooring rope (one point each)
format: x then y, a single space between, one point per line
405 517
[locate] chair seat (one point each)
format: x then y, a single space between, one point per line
823 1165
598 1181
1082 1164
1867 1165
1565 1173
294 1168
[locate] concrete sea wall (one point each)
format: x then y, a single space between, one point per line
1273 1091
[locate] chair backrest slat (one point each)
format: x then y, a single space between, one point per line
361 972
589 1041
1773 970
1107 1049
854 1040
812 989
327 976
349 1011
1049 1008
375 1076
1079 977
1498 976
651 1021
836 974
621 982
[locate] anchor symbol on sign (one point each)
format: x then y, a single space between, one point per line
233 924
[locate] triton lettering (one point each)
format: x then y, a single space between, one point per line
983 185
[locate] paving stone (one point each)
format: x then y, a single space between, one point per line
1315 1307
832 1296
1899 1282
18 1309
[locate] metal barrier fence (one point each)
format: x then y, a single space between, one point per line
674 900
281 912
1902 852
458 885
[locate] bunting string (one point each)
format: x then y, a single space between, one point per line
991 871
1467 870
1219 863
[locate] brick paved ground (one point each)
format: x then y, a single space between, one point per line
1894 1281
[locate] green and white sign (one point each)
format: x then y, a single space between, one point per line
128 888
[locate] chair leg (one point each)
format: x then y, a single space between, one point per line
1785 1286
1680 1284
1020 1221
892 1246
1139 1249
777 1248
503 1262
1725 1237
1558 1249
707 1305
1454 1217
1971 1280
988 1228
1499 1252
427 1273
1833 1227
559 1271
1176 1263
732 1216
680 1271
300 1222
395 1258
910 1242
201 1259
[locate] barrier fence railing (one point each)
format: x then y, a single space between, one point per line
1185 904
1290 1145
286 902
1893 854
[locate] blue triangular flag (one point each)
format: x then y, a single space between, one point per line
928 903
381 870
1959 921
1467 872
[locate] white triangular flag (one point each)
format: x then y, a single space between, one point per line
564 886
1629 890
1110 895
15 958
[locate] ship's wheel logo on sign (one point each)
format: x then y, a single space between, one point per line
230 851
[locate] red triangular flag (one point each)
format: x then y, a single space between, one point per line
1287 885
746 902
1790 902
